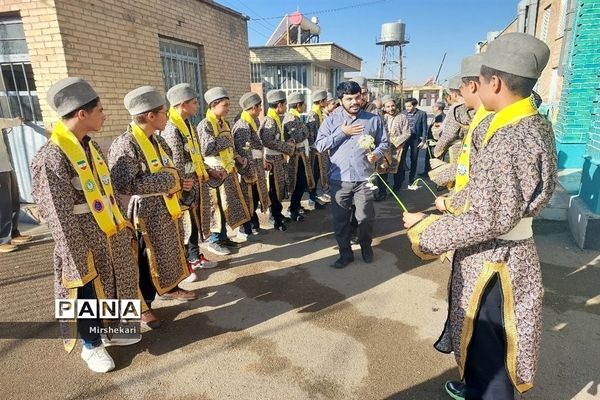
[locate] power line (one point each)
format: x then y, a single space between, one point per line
268 25
328 10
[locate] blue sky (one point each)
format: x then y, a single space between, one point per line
433 26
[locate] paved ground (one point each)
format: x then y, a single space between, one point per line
275 322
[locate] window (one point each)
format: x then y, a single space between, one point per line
181 64
562 21
320 78
545 23
18 95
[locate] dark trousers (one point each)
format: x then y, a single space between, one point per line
216 237
192 248
411 146
146 285
10 206
276 206
300 187
316 169
485 371
85 326
253 223
429 151
342 194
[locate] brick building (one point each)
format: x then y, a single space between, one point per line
117 45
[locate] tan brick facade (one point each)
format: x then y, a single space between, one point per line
324 53
115 45
554 41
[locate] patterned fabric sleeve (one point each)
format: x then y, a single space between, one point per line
55 196
211 145
242 134
129 172
312 124
513 177
269 136
450 134
174 140
400 131
293 128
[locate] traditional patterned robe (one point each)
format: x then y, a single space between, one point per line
248 145
275 148
198 199
83 253
234 207
512 177
294 128
163 235
313 123
454 129
398 132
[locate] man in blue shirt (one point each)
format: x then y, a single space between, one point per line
351 167
417 120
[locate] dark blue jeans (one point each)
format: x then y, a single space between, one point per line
85 326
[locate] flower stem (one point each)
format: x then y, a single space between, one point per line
392 192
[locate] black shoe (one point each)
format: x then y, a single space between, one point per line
354 239
319 206
303 210
280 226
285 220
230 243
342 262
455 390
367 254
296 217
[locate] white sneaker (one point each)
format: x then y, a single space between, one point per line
192 278
98 359
413 187
121 341
255 231
311 204
325 198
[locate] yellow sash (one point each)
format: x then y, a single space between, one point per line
192 143
273 114
250 120
226 155
156 163
317 110
462 169
105 210
510 115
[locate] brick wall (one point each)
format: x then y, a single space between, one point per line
115 45
554 41
581 75
44 43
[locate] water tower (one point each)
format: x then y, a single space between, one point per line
392 40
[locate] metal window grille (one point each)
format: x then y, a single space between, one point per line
181 64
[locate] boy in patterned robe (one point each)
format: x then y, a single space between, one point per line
494 323
95 253
253 180
141 167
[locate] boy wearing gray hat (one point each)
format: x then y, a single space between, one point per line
398 132
93 256
494 326
216 143
142 167
299 174
319 161
331 103
182 139
248 145
271 135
